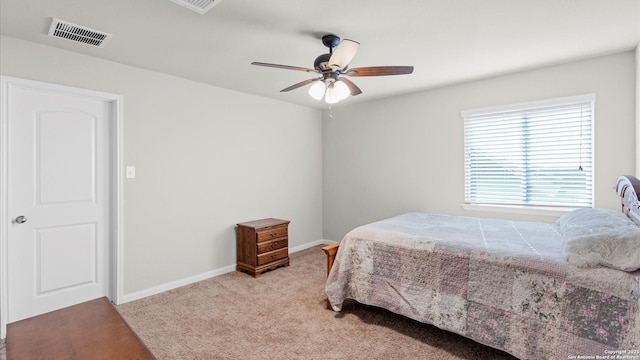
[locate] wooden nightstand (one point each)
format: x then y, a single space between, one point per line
262 245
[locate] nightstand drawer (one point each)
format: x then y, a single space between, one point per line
273 256
272 245
272 233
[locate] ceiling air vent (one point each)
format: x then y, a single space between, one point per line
199 6
77 33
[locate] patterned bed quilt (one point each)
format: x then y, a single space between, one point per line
502 283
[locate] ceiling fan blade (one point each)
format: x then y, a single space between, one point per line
343 54
286 67
300 84
379 71
353 88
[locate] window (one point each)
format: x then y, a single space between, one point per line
535 154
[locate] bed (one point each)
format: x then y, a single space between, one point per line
534 290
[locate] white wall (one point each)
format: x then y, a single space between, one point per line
637 53
402 154
206 158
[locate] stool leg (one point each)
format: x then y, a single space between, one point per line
331 251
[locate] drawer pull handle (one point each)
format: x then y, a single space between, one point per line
274 235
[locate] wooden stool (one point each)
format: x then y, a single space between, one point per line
331 251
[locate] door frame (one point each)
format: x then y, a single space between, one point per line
115 191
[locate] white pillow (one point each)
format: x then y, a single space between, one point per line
600 237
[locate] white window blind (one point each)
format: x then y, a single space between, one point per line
535 154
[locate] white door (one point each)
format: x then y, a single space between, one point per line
58 200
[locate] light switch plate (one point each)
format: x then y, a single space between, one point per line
131 172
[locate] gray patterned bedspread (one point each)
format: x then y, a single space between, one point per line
502 283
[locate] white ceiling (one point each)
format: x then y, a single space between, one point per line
448 41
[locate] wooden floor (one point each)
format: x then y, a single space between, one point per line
91 330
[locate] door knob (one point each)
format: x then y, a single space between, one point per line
21 220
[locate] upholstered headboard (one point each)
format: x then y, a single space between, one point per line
628 187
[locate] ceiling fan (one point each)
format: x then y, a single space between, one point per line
332 66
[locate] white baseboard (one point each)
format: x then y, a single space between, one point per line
310 245
207 275
176 284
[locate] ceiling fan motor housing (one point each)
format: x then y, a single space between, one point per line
322 63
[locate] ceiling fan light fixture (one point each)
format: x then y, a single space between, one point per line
341 90
317 90
330 96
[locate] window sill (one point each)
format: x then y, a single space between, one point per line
517 209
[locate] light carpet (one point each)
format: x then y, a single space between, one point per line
282 315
